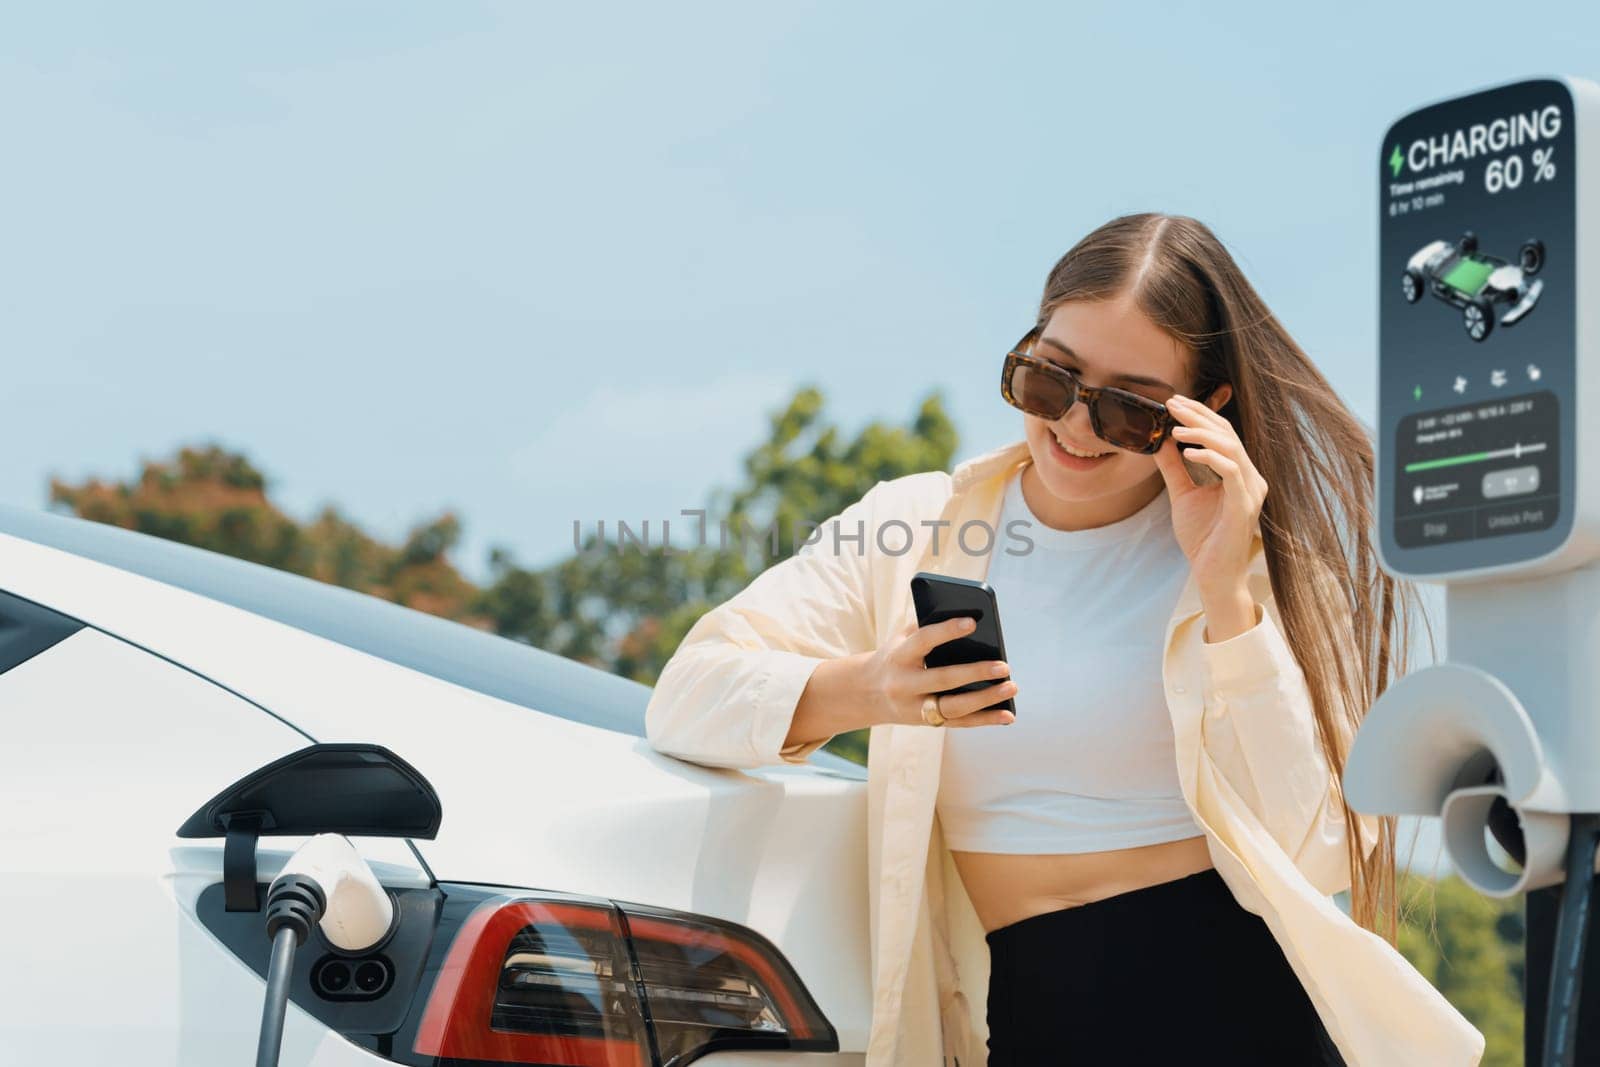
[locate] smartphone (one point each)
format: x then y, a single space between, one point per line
939 597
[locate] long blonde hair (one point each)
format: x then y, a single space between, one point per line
1318 464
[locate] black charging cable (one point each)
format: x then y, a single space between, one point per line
1572 935
295 904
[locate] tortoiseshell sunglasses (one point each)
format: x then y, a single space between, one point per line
1042 387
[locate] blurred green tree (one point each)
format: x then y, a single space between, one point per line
626 607
619 605
217 500
1471 948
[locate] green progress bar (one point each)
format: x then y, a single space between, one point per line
1448 461
1518 450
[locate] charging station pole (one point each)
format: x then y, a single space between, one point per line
1488 368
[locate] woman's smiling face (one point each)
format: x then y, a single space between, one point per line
1106 342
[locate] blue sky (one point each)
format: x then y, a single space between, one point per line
537 263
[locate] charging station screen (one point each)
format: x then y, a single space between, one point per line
1477 330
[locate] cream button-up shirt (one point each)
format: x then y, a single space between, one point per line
1249 763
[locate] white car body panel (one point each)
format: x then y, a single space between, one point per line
105 962
529 799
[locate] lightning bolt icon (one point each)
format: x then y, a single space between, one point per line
1396 161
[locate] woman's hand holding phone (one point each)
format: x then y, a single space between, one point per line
897 682
888 686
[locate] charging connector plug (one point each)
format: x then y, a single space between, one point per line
327 883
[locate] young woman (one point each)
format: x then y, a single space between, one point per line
1136 866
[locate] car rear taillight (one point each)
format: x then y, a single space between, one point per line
529 981
715 985
576 982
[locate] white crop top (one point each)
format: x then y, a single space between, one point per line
1089 763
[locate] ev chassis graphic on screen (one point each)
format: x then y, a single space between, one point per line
1463 277
1484 239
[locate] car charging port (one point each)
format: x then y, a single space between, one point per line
342 978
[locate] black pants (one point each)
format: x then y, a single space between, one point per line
1174 973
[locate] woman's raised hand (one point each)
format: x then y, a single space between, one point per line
1214 524
897 682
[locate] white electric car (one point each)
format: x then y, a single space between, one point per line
583 900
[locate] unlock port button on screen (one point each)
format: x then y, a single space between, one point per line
1511 481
